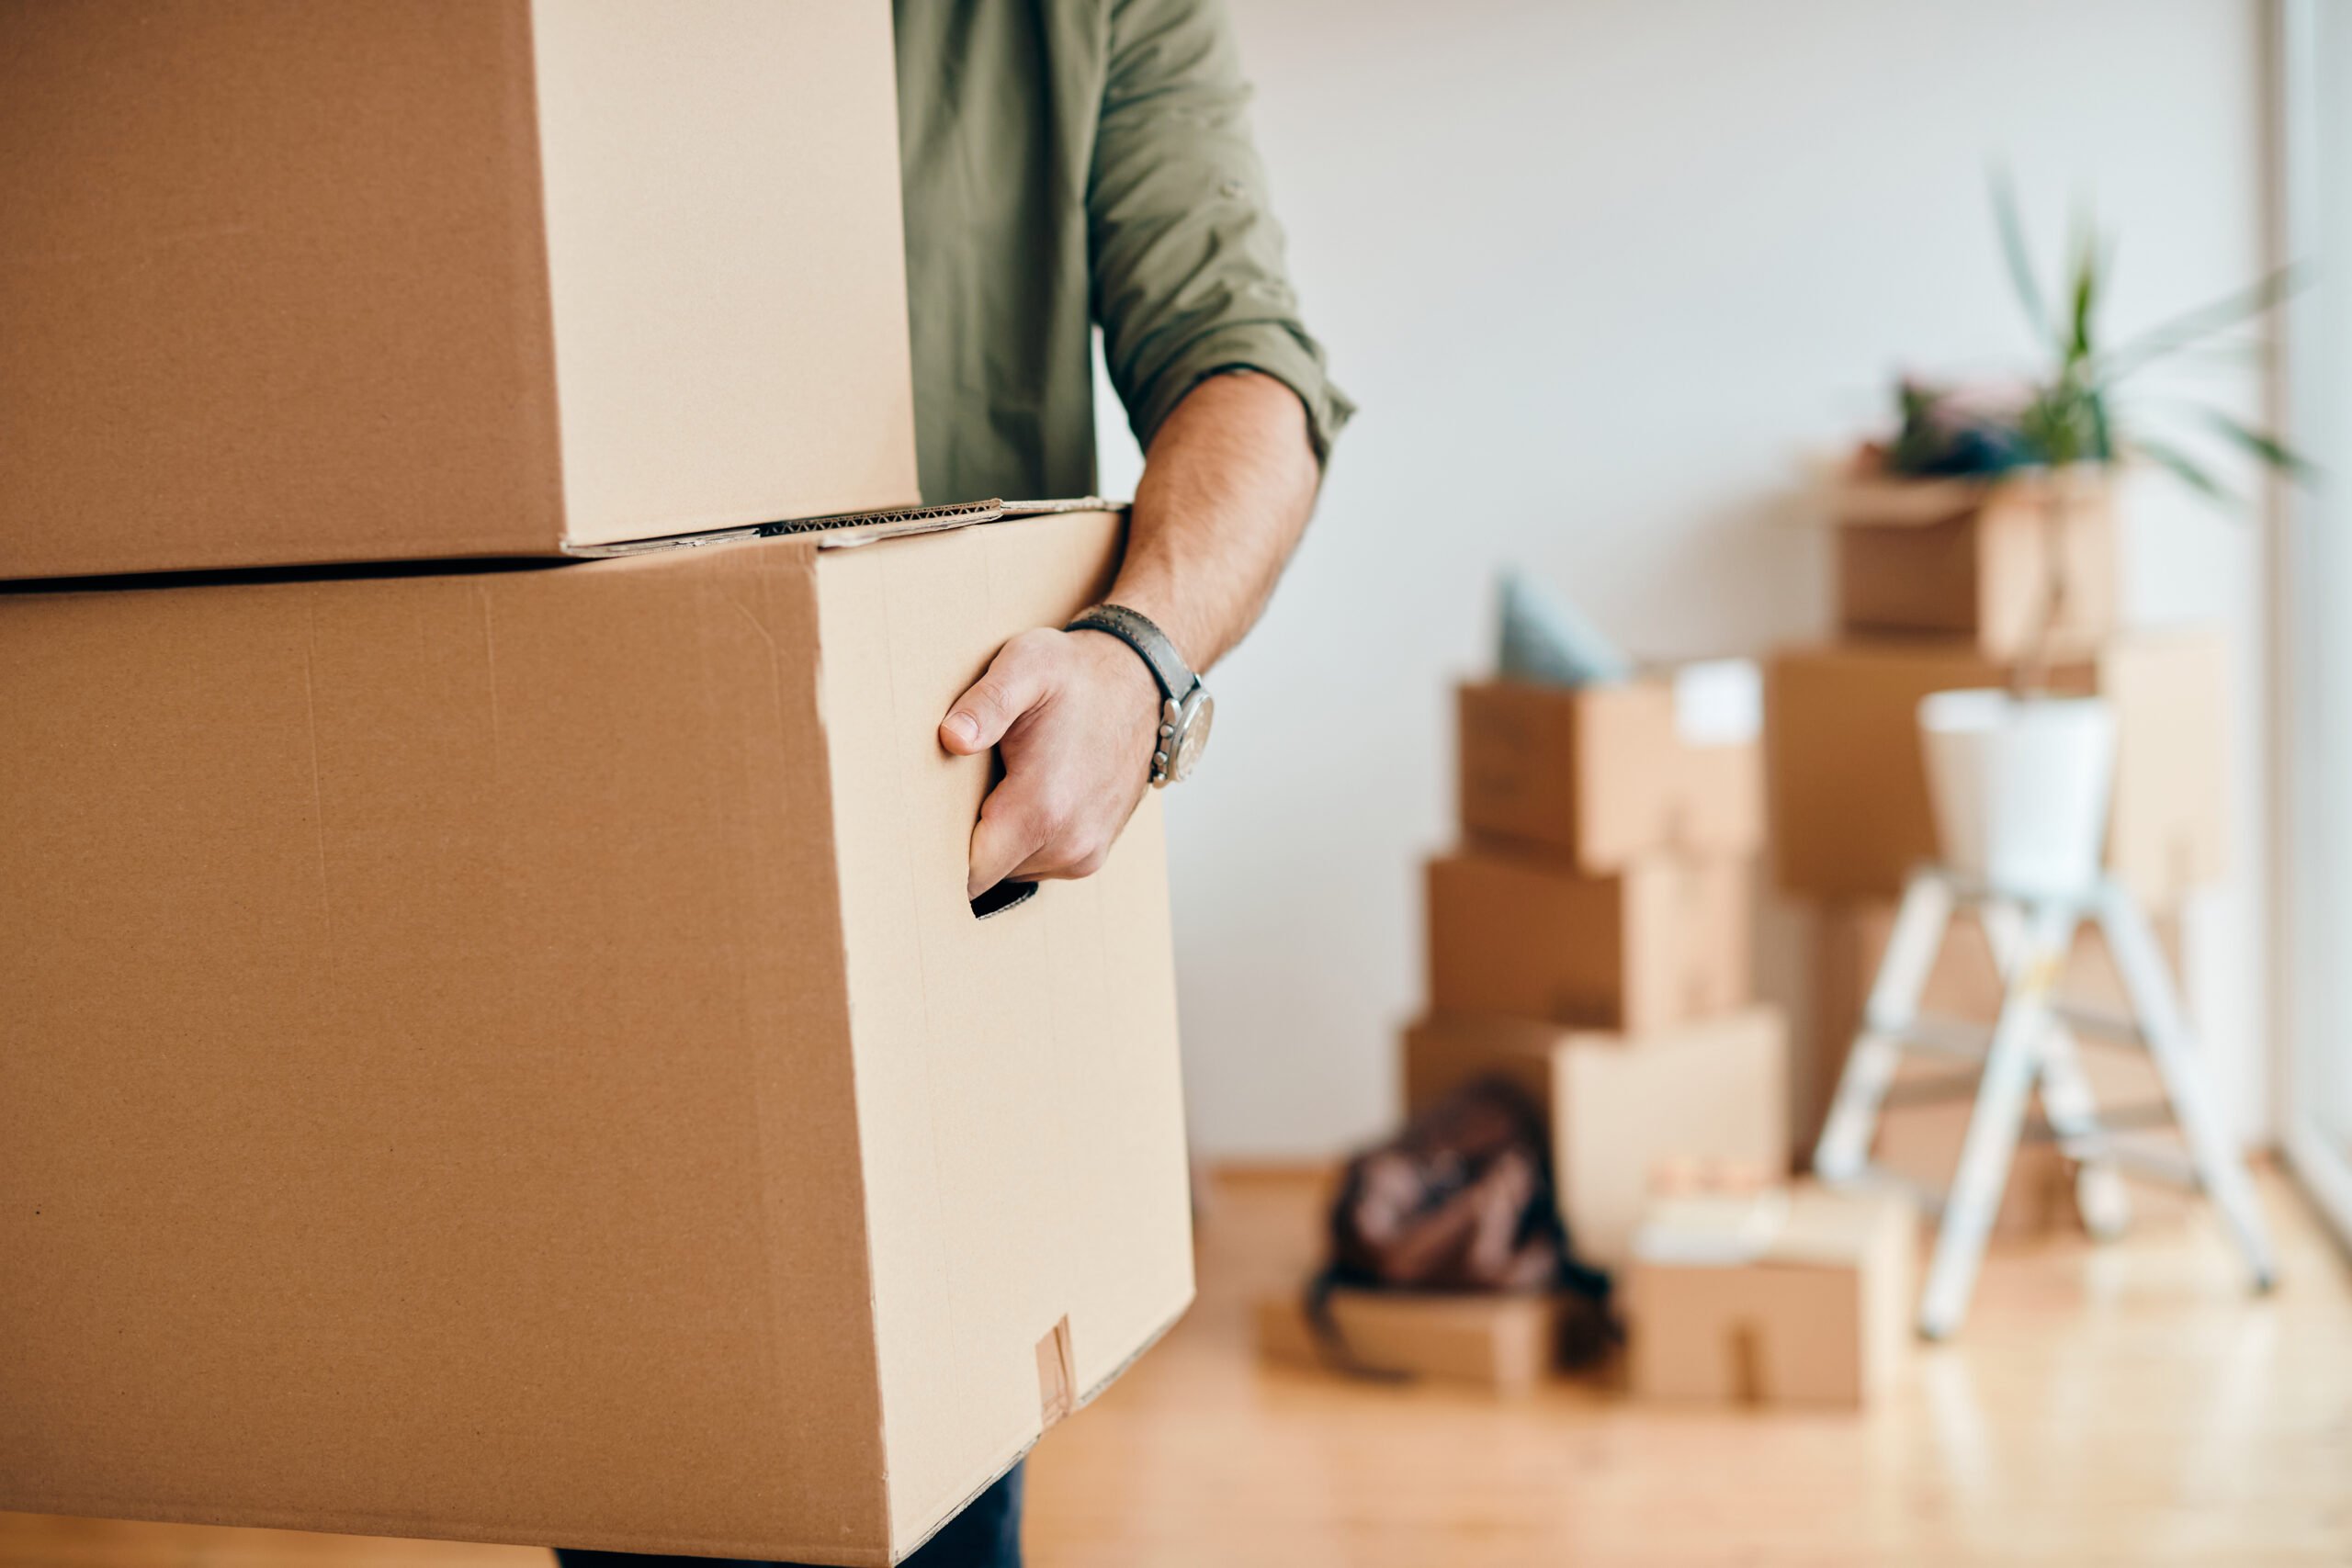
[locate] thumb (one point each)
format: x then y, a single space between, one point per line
1009 831
1015 683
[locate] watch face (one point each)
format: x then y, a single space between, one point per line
1192 733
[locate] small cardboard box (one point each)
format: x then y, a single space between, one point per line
1663 943
292 282
1920 1138
507 1055
1620 1109
1848 789
1605 776
1960 558
1505 1343
1809 1306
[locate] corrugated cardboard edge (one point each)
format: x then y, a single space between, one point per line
777 1109
845 529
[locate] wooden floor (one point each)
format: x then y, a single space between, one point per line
2125 1404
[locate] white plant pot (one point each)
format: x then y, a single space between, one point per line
2021 786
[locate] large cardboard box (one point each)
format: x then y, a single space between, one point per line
1620 1108
1921 1129
1603 775
508 1055
1958 558
1506 1343
1663 943
1811 1308
1850 815
293 283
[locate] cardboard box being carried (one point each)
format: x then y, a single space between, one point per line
292 282
1851 813
1620 1109
1964 558
1919 1132
1787 1298
1603 775
1505 1343
508 1055
1664 943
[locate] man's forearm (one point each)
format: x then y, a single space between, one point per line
1226 489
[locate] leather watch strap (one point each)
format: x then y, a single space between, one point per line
1167 667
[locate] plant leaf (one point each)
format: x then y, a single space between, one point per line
2204 322
2265 447
2084 304
2014 250
2185 468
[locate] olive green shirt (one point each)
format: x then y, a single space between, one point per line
1071 162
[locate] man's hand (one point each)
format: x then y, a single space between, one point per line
1226 487
1077 713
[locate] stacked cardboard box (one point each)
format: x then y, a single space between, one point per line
1589 938
1939 586
1505 1345
1782 1297
507 1055
1588 943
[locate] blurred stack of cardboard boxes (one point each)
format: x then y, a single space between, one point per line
1942 585
1592 936
507 1053
1590 941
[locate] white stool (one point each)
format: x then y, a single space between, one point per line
2031 1044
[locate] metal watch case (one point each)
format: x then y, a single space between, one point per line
1184 735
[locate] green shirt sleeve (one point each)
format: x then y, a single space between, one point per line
1186 256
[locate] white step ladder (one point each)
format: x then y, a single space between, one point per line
2032 1045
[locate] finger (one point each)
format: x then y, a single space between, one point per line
1014 683
1010 829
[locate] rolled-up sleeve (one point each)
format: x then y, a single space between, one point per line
1187 260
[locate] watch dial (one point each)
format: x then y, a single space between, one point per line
1192 738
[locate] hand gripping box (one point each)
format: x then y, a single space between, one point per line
507 1055
292 283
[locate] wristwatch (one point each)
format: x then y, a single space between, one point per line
1186 708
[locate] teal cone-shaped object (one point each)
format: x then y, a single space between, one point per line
1548 640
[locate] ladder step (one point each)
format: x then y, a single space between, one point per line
1873 1177
2135 1156
2098 1024
1936 1035
1931 1091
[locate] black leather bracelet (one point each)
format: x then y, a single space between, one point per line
1151 645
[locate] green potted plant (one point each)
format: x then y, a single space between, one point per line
2020 779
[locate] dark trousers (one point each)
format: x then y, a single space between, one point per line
986 1535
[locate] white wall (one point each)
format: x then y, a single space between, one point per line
1599 273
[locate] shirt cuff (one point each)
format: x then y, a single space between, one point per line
1267 347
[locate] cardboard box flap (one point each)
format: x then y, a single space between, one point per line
1913 503
1711 1230
1879 500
